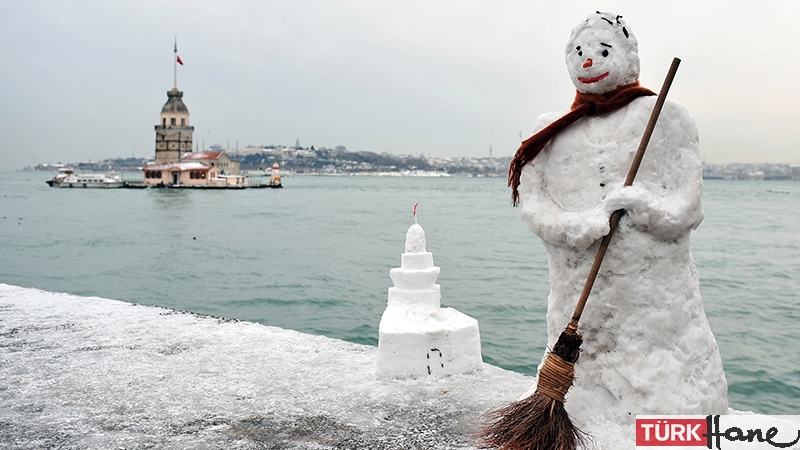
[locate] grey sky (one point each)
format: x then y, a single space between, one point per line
87 79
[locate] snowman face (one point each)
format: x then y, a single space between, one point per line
601 58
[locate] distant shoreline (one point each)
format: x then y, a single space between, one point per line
342 162
734 171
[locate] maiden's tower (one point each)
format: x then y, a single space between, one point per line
173 134
175 164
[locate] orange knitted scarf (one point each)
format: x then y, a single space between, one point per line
584 105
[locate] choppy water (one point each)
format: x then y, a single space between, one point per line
315 257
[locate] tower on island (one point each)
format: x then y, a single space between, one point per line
176 165
173 133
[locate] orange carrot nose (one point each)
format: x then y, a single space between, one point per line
588 63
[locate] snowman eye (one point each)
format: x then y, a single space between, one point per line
578 48
605 53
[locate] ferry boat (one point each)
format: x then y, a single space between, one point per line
63 172
90 180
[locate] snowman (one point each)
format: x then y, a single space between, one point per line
648 347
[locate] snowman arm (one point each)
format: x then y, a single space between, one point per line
668 202
545 217
551 222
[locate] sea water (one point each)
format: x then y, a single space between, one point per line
315 257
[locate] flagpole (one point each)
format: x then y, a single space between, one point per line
175 64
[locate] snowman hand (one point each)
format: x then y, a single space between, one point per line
639 203
593 225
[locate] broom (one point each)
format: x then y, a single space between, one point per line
540 422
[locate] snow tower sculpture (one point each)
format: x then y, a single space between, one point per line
648 347
416 336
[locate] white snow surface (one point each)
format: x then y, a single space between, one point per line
92 373
415 239
417 337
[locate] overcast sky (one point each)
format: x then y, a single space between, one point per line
87 79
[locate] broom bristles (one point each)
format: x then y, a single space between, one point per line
536 422
540 421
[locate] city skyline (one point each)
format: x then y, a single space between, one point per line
86 80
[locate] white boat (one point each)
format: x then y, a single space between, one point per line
91 180
63 173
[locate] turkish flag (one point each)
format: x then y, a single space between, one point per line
179 60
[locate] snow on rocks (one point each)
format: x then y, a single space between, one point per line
416 336
90 373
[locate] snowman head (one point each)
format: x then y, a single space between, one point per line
602 54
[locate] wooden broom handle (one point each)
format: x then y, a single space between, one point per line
637 161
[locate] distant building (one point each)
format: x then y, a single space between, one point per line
176 165
176 173
173 134
219 160
190 174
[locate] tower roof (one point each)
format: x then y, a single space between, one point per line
174 102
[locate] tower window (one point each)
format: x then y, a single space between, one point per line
172 121
164 122
183 122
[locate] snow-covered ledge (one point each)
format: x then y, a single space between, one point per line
416 336
91 373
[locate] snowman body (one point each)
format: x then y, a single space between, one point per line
648 347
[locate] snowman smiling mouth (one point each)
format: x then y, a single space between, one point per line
593 79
